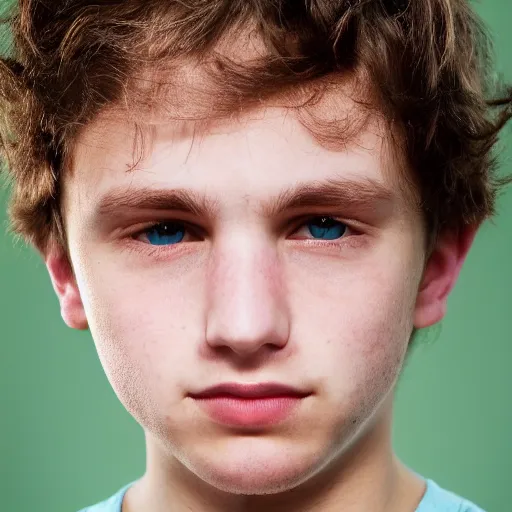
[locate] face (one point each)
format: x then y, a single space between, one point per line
198 268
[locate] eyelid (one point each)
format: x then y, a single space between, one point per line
354 240
351 224
195 230
143 229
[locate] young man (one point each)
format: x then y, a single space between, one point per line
254 206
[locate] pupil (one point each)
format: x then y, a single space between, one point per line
167 229
325 222
166 233
326 227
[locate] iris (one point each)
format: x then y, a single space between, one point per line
166 233
325 227
169 233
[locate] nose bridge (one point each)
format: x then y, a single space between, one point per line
246 299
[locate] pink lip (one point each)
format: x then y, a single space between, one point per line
249 405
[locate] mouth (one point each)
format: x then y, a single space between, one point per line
249 405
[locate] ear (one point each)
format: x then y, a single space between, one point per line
440 275
64 284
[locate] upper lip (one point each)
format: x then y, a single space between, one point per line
263 389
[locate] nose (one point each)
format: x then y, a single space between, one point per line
246 308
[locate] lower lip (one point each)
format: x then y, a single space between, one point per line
249 412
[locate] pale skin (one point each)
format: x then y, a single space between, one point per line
250 295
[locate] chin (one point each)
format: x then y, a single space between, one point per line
256 481
256 469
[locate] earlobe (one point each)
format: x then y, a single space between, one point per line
65 286
440 275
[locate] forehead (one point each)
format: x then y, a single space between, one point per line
247 155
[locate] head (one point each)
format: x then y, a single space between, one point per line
316 174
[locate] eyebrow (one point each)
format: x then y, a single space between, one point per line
366 195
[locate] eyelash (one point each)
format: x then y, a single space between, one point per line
151 250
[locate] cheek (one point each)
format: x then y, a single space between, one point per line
145 326
354 322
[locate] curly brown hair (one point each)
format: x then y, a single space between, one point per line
427 62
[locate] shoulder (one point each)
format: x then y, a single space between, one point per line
112 504
437 499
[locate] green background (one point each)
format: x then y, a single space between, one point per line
66 441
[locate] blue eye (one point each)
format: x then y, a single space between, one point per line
165 233
174 232
326 227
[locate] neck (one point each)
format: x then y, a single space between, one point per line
364 476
